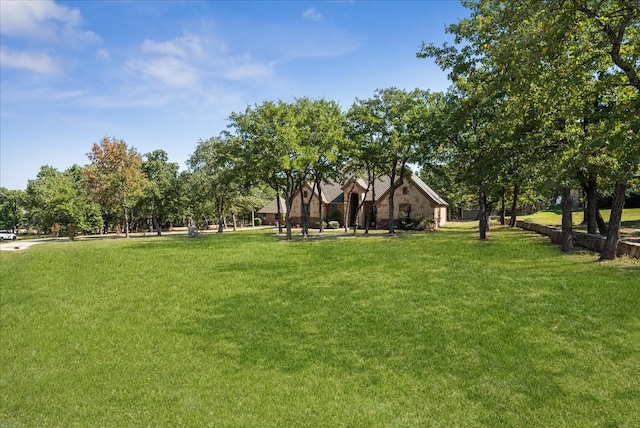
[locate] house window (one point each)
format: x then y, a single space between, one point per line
304 193
405 190
405 210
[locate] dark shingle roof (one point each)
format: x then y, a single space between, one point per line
333 192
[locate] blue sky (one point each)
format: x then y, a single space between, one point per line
163 75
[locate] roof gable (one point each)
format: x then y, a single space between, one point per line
421 186
427 190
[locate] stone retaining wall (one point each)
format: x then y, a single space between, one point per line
586 240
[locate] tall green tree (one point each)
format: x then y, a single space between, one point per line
398 122
321 129
12 208
562 56
214 166
362 155
59 201
160 196
274 149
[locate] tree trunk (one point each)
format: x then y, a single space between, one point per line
320 208
303 215
591 193
279 213
514 206
220 216
220 222
392 191
156 225
234 220
613 234
374 207
126 221
567 221
483 223
503 209
602 226
288 203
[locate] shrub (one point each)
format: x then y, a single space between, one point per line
333 225
425 224
257 221
335 215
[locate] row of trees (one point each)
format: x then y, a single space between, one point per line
544 95
270 149
288 145
544 98
118 190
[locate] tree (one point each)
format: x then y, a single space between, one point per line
274 151
363 155
214 167
12 208
59 201
115 176
159 197
561 55
396 122
321 129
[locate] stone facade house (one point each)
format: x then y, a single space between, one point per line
349 202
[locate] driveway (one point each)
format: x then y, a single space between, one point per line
17 245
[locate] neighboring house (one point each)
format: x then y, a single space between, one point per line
412 199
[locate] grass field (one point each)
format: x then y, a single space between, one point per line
630 218
244 329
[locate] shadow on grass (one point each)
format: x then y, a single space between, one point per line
376 337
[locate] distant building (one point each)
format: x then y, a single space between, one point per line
412 199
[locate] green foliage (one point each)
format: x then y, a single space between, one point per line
287 145
212 168
424 223
257 221
333 224
244 330
547 95
12 206
162 196
61 198
390 131
335 215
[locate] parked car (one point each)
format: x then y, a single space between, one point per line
6 235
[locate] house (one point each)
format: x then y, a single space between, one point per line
412 199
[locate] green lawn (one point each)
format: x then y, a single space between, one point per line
244 329
630 217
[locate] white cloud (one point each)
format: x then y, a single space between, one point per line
186 62
42 20
312 14
37 62
181 47
246 69
169 71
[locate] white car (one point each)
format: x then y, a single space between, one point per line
9 236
